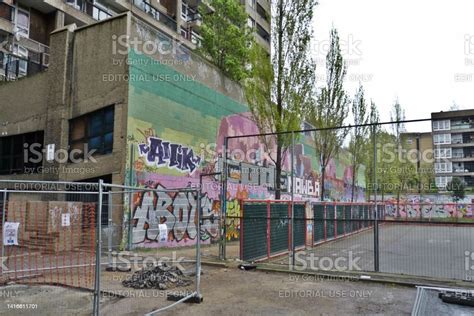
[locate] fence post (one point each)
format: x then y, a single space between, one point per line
268 229
222 245
376 222
109 228
292 199
198 246
4 209
130 200
98 252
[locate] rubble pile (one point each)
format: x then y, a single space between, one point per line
160 277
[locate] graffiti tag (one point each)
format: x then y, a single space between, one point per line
160 153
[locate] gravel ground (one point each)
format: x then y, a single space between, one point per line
236 292
226 291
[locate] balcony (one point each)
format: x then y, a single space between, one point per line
95 10
14 67
156 14
191 36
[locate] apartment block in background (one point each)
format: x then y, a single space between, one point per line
25 25
453 144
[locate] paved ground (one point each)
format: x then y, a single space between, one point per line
228 292
432 251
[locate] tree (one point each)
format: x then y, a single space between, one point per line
405 174
374 118
358 135
226 38
457 189
278 91
330 108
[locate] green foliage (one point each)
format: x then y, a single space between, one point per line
330 108
226 38
457 188
278 90
358 134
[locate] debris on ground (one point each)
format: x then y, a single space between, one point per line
160 277
247 267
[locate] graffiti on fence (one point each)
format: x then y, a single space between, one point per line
428 210
233 220
177 210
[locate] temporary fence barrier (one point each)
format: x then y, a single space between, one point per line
69 233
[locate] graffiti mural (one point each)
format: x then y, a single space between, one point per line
176 131
177 210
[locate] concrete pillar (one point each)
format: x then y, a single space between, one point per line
179 21
59 19
56 131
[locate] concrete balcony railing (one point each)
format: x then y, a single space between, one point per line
97 12
156 14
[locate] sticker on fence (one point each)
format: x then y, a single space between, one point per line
66 219
10 234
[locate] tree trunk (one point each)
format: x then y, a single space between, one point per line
354 175
278 171
323 175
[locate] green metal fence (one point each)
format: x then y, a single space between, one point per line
266 229
335 220
253 228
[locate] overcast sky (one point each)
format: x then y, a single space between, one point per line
421 51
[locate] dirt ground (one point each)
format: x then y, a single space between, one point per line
226 291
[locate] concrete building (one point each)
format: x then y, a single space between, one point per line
453 144
419 151
25 25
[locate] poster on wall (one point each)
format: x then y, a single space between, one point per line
163 232
10 234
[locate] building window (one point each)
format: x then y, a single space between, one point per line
21 153
184 12
23 22
442 125
442 182
439 139
184 32
443 167
251 23
443 153
252 3
263 14
96 130
263 33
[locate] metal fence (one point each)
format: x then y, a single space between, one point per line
82 234
354 238
268 228
48 233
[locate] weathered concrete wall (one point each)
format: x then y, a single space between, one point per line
92 68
